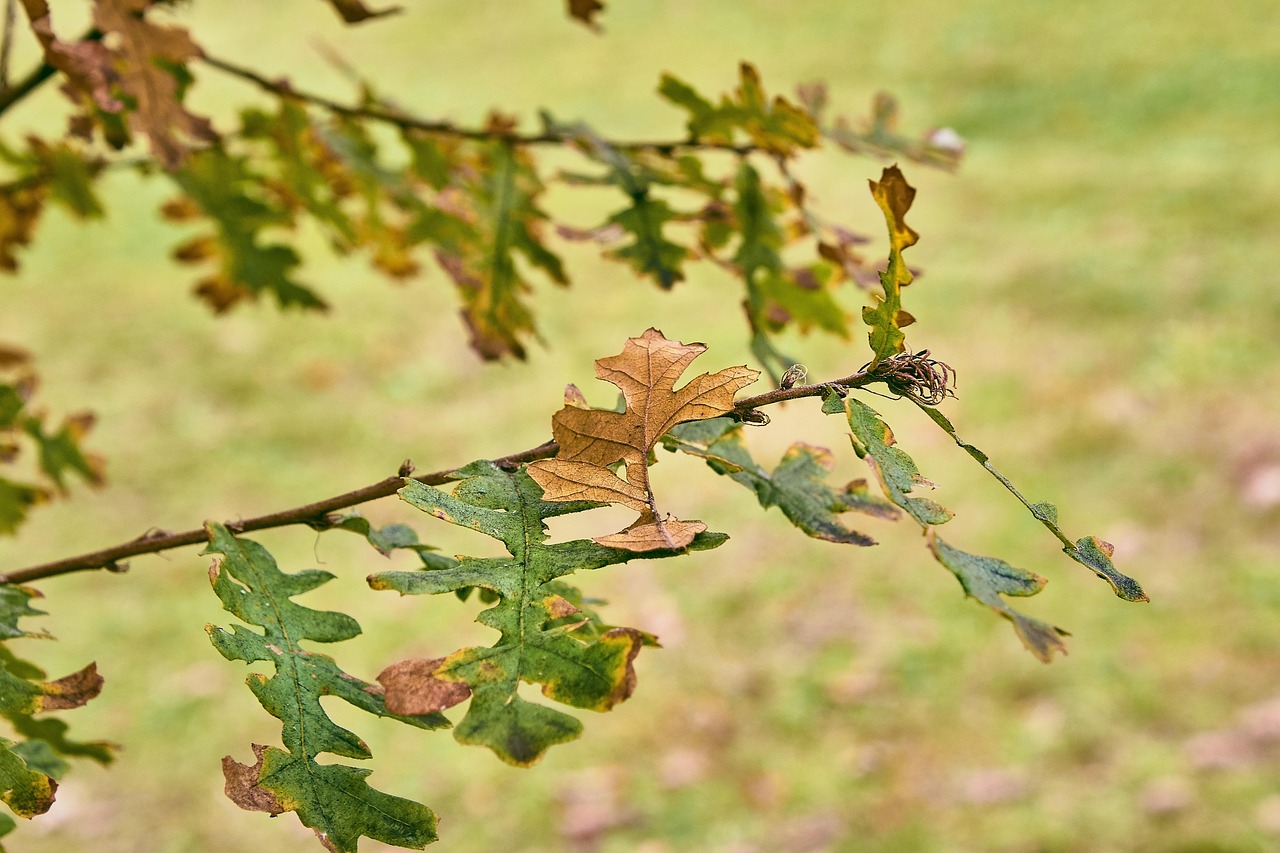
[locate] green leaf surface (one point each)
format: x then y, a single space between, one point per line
988 578
796 486
983 578
332 799
28 768
777 126
896 471
542 637
503 196
649 253
25 791
1089 551
226 190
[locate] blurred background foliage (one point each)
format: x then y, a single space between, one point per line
1098 272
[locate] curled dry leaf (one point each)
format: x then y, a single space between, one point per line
591 440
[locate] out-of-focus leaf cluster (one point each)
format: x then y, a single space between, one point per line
36 757
37 461
470 198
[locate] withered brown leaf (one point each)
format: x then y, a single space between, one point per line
144 50
591 440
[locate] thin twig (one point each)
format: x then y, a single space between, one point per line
6 41
316 514
283 88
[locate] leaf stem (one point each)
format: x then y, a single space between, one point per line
316 514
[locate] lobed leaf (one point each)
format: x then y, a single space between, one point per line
57 453
545 638
29 768
796 486
592 440
501 200
148 63
222 187
333 800
1089 551
777 126
984 579
894 196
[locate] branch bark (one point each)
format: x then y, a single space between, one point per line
317 514
282 88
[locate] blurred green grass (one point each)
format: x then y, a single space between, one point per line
1099 272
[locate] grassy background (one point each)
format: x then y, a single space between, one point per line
1100 273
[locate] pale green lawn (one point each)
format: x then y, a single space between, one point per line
1100 273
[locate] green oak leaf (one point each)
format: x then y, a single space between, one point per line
983 578
777 126
29 768
542 640
796 485
986 579
332 799
502 197
222 187
25 791
896 471
1089 551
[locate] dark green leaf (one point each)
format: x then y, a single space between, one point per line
986 579
331 799
538 643
1090 552
650 252
226 190
796 485
897 473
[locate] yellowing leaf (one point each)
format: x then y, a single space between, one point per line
894 195
591 440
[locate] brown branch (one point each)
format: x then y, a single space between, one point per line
317 514
284 89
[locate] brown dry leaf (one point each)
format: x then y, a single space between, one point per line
412 687
71 691
591 440
144 51
86 64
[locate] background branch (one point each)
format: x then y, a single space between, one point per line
316 514
398 118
